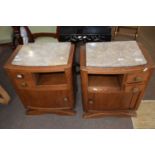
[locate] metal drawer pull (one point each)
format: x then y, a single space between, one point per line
24 84
20 76
91 102
65 99
135 90
137 79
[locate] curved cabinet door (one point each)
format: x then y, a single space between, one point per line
121 100
45 99
109 101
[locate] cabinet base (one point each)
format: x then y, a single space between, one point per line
68 112
109 113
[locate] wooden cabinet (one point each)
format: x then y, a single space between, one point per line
44 89
113 90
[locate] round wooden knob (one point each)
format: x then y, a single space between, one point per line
23 84
65 99
91 102
138 79
19 76
135 90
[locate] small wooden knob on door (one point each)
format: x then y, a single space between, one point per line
65 99
135 90
90 102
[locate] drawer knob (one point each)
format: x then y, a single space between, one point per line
135 90
91 102
137 79
24 84
20 76
65 99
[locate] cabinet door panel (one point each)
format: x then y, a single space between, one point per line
109 101
136 91
45 99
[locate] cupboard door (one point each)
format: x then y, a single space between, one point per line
109 101
45 99
136 91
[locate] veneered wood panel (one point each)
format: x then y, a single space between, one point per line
109 101
45 99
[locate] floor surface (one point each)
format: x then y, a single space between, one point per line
145 115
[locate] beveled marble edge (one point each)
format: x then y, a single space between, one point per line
28 54
98 53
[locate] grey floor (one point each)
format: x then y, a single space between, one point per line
12 116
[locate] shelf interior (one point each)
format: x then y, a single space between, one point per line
104 82
57 78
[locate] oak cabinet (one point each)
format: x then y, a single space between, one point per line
44 89
113 91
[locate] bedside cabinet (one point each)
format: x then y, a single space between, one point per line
43 78
114 76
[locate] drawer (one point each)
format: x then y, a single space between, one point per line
136 88
22 80
137 77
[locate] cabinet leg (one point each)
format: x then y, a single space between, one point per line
68 112
110 113
34 112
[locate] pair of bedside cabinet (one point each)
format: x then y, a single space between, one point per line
114 76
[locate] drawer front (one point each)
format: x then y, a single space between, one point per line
22 80
134 88
137 77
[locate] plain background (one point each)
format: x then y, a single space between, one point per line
77 13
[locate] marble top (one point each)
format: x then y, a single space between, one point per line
114 54
43 54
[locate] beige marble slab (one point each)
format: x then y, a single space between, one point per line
114 54
43 54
